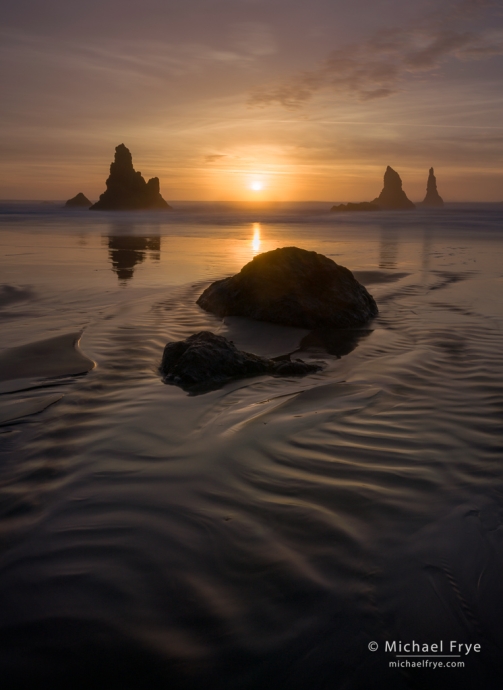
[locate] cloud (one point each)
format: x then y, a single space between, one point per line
141 59
254 38
378 67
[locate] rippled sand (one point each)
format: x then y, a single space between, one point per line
261 535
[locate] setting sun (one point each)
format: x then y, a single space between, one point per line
256 186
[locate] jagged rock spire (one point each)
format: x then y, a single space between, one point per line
432 197
126 188
392 195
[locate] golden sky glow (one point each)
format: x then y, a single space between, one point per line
215 98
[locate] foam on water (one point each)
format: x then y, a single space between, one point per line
263 534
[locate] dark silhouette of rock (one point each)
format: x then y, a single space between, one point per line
293 287
206 361
80 200
392 195
127 189
126 251
361 206
432 197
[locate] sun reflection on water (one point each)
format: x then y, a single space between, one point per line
256 237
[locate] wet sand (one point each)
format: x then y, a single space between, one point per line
263 534
53 357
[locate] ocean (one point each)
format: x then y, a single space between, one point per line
338 531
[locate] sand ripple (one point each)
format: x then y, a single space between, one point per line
262 534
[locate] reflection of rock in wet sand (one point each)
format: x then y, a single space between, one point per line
388 250
127 251
336 341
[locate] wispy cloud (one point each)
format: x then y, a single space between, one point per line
214 157
253 38
152 59
379 67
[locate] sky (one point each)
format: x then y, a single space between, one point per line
276 100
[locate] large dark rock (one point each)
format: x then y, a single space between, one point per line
361 206
293 287
127 189
206 361
432 197
80 201
392 195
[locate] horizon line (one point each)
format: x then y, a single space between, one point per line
238 201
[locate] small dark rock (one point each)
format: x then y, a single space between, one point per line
127 189
361 206
79 201
432 197
292 287
205 361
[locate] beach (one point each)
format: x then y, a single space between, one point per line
264 534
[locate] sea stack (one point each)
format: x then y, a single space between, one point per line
79 201
292 287
127 189
392 196
432 197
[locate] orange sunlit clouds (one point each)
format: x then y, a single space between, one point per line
246 172
336 161
310 109
247 175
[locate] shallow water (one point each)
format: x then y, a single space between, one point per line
261 535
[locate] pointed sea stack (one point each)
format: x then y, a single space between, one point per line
392 195
127 189
79 201
432 197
